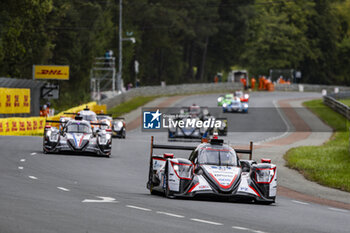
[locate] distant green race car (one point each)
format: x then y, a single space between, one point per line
225 99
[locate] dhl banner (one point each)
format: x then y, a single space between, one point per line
50 72
22 126
14 100
35 125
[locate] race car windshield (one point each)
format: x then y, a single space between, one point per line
195 110
239 94
217 157
101 117
78 128
89 117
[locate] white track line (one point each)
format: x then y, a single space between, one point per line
63 189
20 168
240 228
300 202
339 210
170 214
246 229
278 136
22 160
34 153
138 208
33 177
205 221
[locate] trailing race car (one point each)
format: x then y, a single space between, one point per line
213 170
235 105
76 136
116 124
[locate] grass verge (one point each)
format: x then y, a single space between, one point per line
328 164
130 105
345 101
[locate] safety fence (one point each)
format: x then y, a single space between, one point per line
18 126
337 106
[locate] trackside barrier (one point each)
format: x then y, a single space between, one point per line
24 126
337 106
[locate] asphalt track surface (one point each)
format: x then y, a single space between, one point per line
65 193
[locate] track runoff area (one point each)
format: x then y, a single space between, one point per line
78 193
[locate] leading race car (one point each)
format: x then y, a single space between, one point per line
213 170
76 136
235 105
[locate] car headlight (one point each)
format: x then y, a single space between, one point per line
265 175
54 138
183 171
103 140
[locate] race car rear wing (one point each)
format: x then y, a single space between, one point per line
159 146
246 151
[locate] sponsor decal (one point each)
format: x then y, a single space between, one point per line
16 104
29 125
26 101
8 101
14 126
22 126
41 124
35 125
7 127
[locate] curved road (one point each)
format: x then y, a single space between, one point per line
68 193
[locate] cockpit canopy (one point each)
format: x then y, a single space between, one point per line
78 127
88 115
215 155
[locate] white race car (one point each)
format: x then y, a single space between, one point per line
213 170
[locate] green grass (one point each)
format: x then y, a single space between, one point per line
345 101
130 105
328 164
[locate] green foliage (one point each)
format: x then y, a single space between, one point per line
130 105
327 164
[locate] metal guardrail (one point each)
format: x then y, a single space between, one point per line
337 106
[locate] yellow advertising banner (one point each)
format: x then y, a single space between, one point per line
17 126
14 100
35 125
50 72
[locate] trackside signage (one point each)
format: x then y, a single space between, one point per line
50 72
